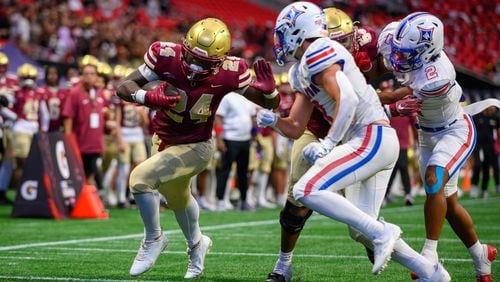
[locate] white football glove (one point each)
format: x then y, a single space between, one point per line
266 118
316 150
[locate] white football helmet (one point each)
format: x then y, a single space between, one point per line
418 39
296 23
384 42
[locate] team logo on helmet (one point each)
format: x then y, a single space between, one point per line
425 35
293 14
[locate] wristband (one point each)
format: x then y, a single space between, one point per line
139 96
272 95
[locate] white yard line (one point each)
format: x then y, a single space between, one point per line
215 227
138 235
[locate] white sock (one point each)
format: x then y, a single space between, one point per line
408 257
262 181
339 208
284 262
281 199
476 251
187 219
108 175
121 182
149 208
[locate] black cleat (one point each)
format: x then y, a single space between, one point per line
275 277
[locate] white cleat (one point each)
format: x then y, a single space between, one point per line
384 246
440 275
197 257
147 255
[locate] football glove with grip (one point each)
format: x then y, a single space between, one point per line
315 150
266 118
363 61
264 78
156 98
407 106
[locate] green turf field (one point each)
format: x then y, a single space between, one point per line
245 246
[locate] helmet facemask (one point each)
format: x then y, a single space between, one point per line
284 50
197 66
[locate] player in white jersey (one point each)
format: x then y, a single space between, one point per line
414 49
327 78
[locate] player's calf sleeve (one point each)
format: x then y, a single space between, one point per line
293 218
149 208
433 188
187 219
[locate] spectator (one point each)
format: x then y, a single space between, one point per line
233 126
487 126
83 115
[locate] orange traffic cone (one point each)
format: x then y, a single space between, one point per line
466 180
89 205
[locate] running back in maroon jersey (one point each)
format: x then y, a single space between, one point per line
192 119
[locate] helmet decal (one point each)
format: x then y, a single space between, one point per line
292 15
425 35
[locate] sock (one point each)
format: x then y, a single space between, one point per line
281 199
284 262
122 183
187 219
408 257
149 208
429 251
262 181
476 252
108 175
339 208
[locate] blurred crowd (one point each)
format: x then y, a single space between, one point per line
119 31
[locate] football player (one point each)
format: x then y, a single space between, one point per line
32 116
8 86
202 73
54 96
446 133
326 77
294 215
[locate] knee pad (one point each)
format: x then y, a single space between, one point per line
291 218
433 189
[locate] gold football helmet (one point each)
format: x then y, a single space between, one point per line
205 47
340 27
27 71
89 60
119 71
4 60
104 69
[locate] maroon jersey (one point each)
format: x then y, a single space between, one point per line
27 105
286 102
192 119
317 124
8 84
367 39
88 118
54 97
